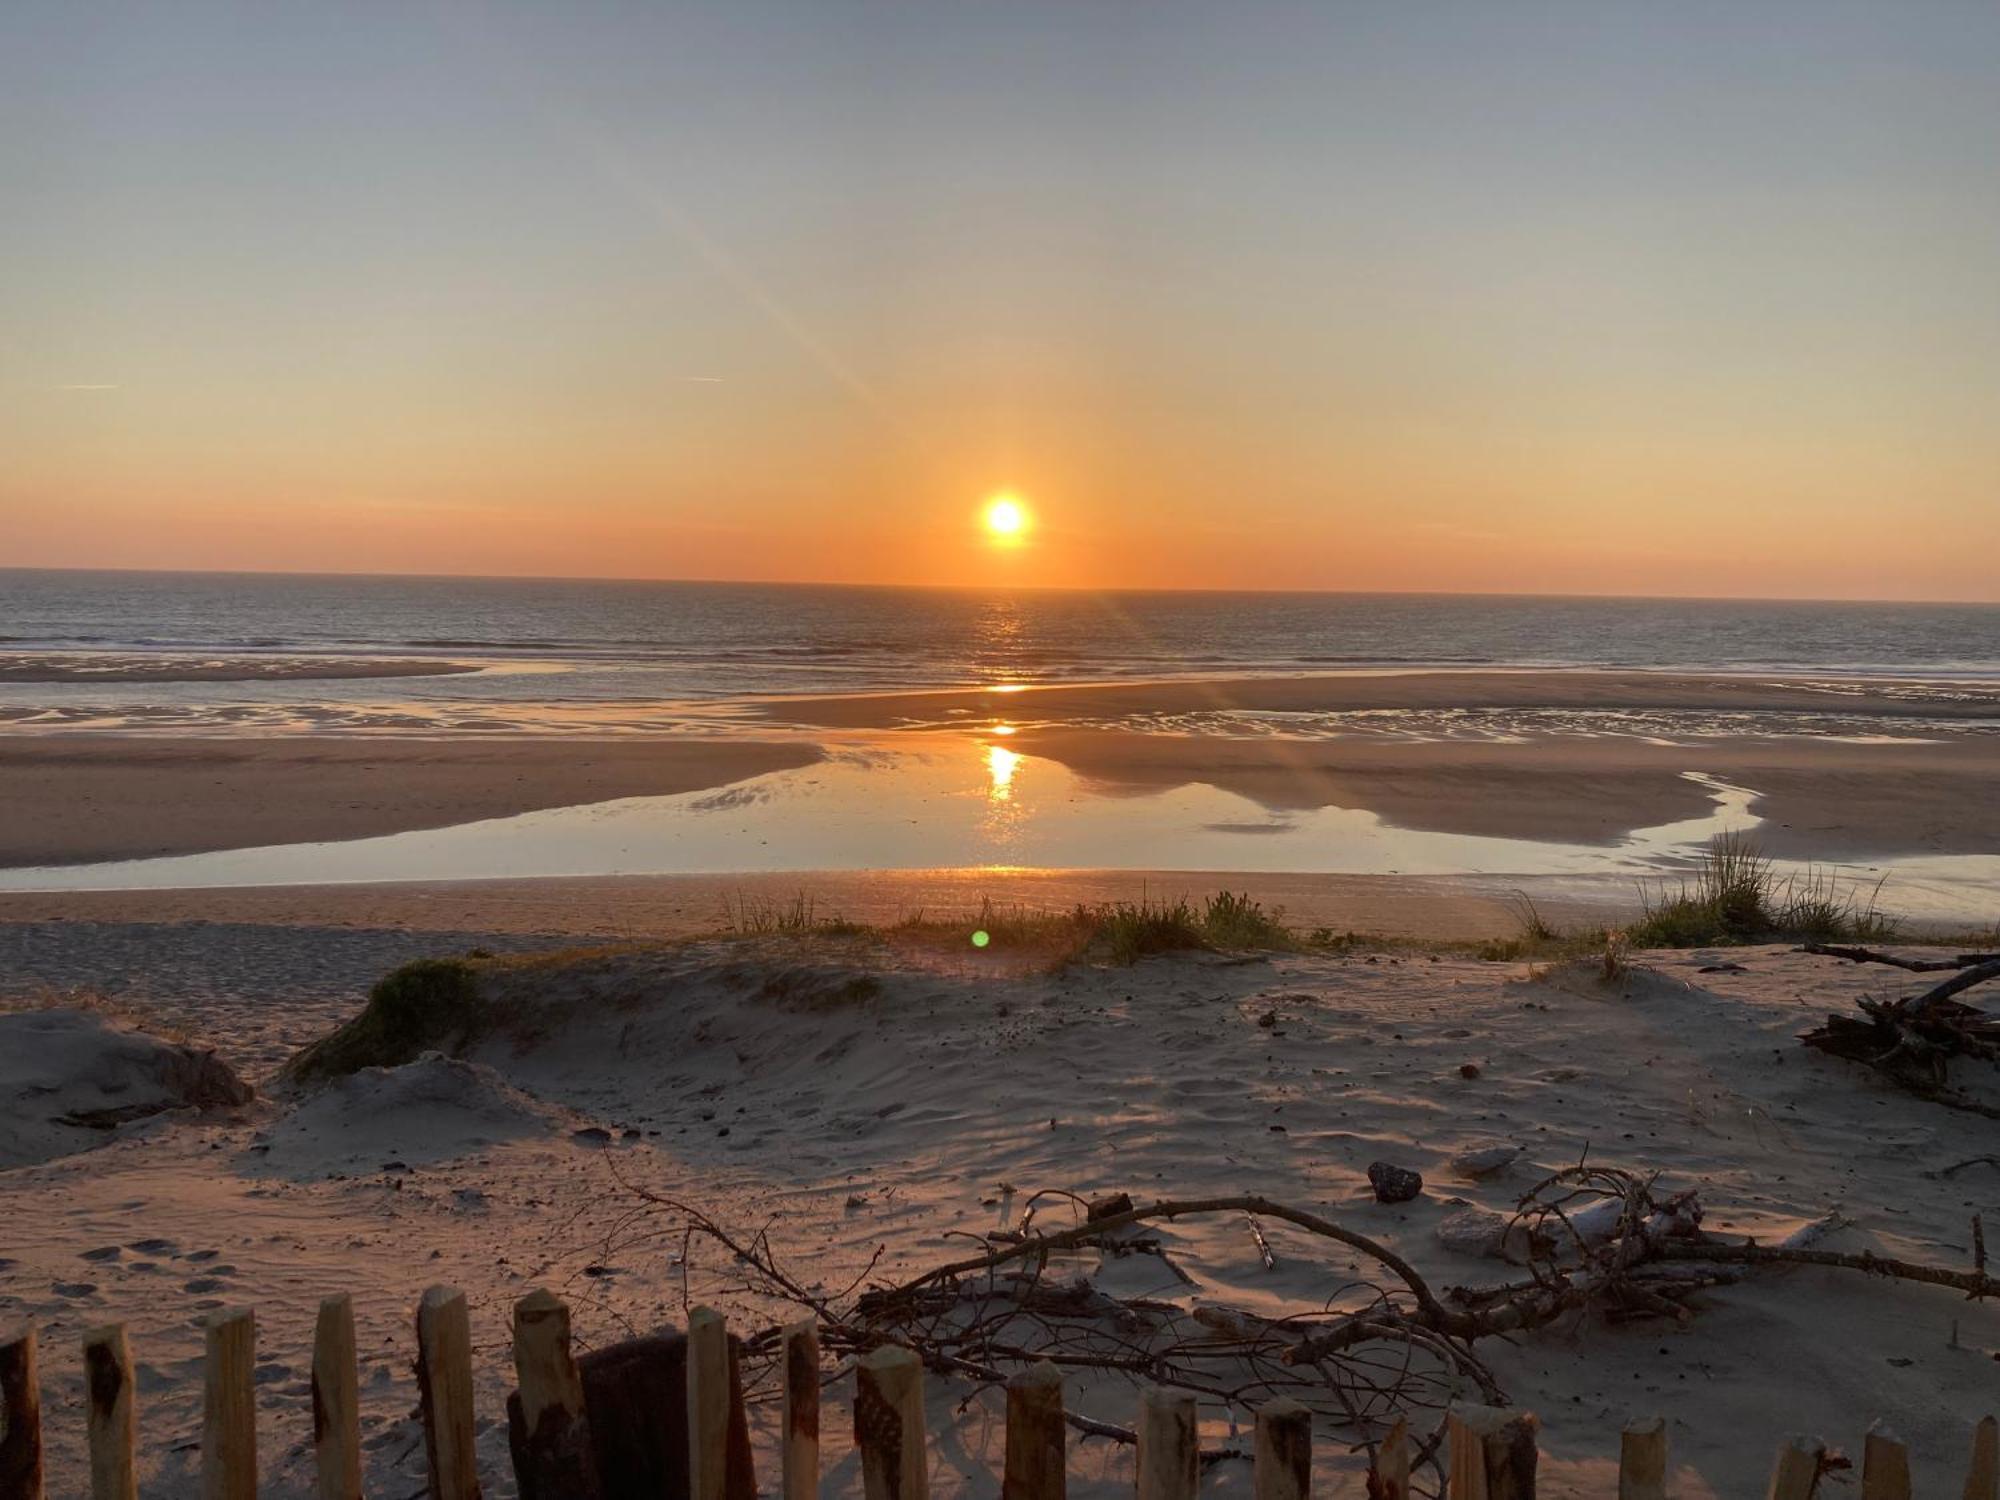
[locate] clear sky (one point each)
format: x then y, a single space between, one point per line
1700 298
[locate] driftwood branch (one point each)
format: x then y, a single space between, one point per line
1913 1041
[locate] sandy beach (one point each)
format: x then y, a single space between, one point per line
867 1105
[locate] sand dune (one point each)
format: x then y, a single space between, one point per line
853 1099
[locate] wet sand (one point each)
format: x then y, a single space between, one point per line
1349 691
1821 799
97 667
68 800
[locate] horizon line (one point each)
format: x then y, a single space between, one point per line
1013 588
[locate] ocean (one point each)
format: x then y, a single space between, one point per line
691 640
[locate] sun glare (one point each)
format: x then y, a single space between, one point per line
1006 519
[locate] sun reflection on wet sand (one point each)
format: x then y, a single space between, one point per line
1000 766
971 802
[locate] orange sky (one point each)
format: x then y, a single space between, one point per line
1345 300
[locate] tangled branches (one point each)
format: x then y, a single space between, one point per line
1913 1040
1375 1346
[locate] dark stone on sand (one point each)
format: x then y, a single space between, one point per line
1394 1184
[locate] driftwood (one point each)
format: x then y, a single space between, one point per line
1913 1041
1385 1344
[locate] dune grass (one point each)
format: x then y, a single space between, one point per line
420 1007
1734 896
1118 931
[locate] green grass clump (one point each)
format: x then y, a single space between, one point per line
423 1006
1734 896
1127 931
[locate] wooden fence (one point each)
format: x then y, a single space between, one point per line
1490 1453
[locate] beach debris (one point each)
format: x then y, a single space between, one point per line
1263 1245
1394 1184
1913 1041
1107 1206
1594 1239
1475 1231
1468 1070
1485 1161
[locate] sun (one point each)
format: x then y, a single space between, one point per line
1005 519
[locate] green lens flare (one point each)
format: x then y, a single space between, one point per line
981 938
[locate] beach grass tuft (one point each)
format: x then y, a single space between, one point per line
1735 896
757 916
420 1007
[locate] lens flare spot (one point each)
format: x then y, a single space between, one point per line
981 938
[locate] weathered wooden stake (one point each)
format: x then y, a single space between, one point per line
444 1390
229 1407
1795 1475
107 1377
336 1402
1885 1466
555 1443
1284 1451
1169 1450
889 1424
1642 1459
801 1411
1389 1479
1982 1480
20 1418
1037 1445
707 1404
1493 1453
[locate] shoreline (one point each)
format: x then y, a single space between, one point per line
1440 908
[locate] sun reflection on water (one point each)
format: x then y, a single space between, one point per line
1000 765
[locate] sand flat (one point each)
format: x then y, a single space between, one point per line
71 799
1359 690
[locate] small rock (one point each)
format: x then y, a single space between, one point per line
1468 1070
1484 1161
1269 1020
1394 1184
591 1135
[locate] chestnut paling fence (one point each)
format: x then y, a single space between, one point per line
664 1416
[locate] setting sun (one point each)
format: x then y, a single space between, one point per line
1006 519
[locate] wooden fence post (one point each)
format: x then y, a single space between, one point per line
1795 1475
336 1402
707 1404
1389 1477
1284 1451
554 1448
1037 1445
229 1407
889 1424
444 1390
1642 1459
107 1374
1885 1466
1493 1453
20 1418
801 1411
1169 1450
1982 1480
